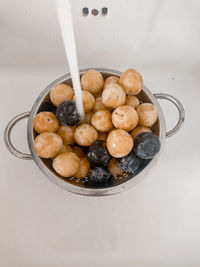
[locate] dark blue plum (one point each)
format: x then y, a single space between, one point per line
146 145
67 113
98 154
47 106
99 175
130 163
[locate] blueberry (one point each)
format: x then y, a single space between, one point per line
99 175
98 154
67 113
146 145
130 163
47 106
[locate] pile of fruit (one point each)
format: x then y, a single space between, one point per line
115 136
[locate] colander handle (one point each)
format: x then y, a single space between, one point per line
7 136
180 108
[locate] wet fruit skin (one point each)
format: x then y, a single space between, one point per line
67 113
146 145
85 135
98 154
113 96
119 143
99 175
92 81
45 121
47 145
131 81
101 120
67 134
130 163
66 164
125 117
147 114
61 92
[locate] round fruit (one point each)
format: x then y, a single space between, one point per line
114 168
119 143
140 129
45 122
99 175
147 114
67 134
85 135
132 101
110 80
66 164
88 100
47 145
131 81
92 81
101 120
131 163
83 169
60 93
78 151
99 105
147 145
98 154
67 113
125 117
113 96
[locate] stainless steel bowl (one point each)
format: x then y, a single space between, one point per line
119 183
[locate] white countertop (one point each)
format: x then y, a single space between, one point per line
156 223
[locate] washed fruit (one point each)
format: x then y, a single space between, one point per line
45 121
147 114
98 154
131 81
113 96
67 134
146 145
66 164
92 81
85 135
47 145
99 175
119 143
125 117
60 93
88 100
101 120
67 113
130 163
